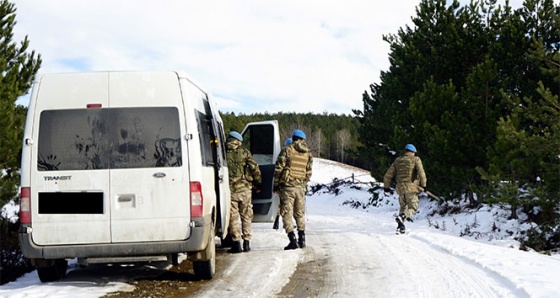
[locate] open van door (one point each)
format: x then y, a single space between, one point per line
220 169
263 140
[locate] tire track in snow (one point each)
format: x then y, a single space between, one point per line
324 273
309 278
364 260
262 272
437 273
500 279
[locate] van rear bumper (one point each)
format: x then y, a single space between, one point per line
197 241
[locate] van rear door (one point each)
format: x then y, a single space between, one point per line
263 140
68 168
149 187
110 161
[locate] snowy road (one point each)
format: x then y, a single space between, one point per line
350 253
426 271
355 253
354 256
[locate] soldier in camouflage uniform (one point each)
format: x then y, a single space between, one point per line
244 174
291 174
409 174
277 219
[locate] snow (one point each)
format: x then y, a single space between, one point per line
359 254
10 211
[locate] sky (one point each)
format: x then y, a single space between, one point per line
254 56
358 252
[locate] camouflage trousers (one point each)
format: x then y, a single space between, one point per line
409 204
292 206
241 207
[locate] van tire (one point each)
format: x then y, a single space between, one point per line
207 269
55 270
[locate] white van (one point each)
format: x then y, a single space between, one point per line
122 164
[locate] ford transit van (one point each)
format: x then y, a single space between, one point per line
122 164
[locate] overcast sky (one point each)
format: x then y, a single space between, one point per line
254 56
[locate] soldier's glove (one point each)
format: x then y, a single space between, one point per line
386 189
276 188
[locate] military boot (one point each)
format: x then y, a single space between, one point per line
227 242
246 246
235 247
400 224
301 239
293 242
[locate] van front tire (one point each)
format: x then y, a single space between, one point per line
50 270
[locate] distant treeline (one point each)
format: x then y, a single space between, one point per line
329 136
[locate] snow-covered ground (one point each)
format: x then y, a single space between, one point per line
354 252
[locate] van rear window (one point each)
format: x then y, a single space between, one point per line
113 138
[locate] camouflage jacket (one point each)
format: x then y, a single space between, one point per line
408 172
293 166
242 168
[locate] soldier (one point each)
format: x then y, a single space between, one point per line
291 174
244 173
408 172
277 219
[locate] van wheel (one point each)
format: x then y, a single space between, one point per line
207 269
51 270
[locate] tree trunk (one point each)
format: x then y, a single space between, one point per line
472 201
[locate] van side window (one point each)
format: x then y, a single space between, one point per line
206 138
114 138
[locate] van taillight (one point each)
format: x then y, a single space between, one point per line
196 199
93 105
25 205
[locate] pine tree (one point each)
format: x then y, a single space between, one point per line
420 100
524 168
17 71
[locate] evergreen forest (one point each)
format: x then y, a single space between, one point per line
475 88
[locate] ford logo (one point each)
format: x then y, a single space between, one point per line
159 175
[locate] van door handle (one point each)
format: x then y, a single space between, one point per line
126 198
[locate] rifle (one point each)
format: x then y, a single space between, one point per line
430 194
